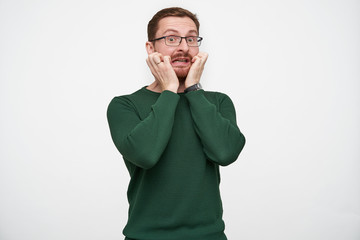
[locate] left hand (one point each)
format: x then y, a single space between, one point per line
196 69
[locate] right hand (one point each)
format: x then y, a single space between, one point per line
163 72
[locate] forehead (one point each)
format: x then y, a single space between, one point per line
181 25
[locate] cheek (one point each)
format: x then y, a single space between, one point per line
194 51
164 51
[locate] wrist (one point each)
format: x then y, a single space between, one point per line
193 87
173 88
189 84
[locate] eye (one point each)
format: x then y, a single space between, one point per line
171 39
191 39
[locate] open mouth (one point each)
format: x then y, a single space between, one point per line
180 61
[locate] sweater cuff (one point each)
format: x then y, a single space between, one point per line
167 98
196 97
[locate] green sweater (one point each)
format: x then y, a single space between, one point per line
173 145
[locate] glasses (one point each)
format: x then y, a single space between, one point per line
174 41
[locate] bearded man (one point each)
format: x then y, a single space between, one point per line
173 137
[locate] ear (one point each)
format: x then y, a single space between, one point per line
150 48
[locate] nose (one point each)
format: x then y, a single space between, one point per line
183 46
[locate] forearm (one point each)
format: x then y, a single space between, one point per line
216 127
142 141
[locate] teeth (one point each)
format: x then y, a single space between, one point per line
183 60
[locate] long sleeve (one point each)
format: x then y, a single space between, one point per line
172 145
216 127
142 141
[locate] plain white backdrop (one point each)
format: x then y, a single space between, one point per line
292 69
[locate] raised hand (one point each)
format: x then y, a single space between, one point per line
196 69
163 72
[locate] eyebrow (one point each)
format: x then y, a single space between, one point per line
173 30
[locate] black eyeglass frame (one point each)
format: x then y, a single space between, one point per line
199 39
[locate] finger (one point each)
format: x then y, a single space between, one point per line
203 56
167 60
151 57
151 66
157 58
193 60
200 59
151 61
148 62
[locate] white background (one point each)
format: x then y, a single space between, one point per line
292 69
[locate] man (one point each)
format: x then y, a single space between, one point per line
173 136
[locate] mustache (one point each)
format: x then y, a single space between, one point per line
182 55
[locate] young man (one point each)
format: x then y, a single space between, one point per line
173 136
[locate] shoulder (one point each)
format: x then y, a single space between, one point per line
139 102
218 97
137 93
126 100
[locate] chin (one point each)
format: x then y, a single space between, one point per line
181 73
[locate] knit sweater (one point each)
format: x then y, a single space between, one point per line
172 145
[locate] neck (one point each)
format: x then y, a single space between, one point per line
181 85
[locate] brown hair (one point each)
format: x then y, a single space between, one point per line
169 12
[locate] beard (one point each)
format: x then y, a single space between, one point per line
182 71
